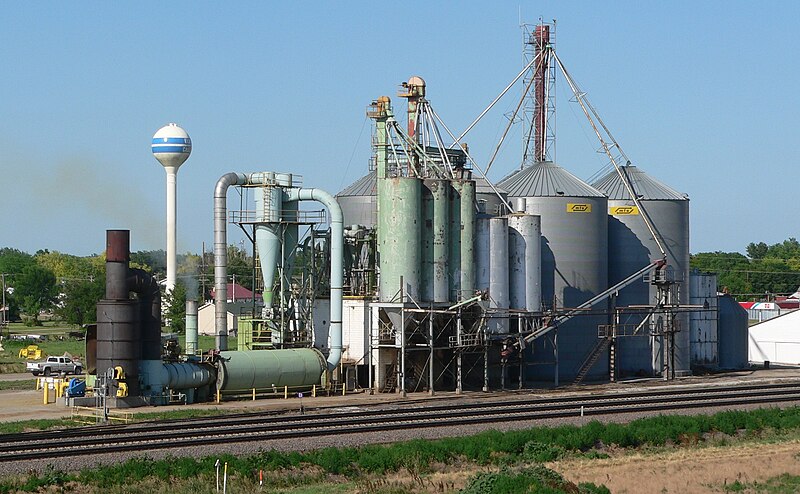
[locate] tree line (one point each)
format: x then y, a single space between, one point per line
69 287
764 270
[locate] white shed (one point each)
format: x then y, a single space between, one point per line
205 320
776 340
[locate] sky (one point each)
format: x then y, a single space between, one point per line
701 95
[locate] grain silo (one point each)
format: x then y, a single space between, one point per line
359 201
632 246
574 260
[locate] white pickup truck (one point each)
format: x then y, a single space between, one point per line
55 365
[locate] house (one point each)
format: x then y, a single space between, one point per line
206 320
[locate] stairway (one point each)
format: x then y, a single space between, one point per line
592 358
390 383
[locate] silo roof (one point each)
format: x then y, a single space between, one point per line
482 187
645 186
547 179
368 186
364 186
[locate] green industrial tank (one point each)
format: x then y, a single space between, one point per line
262 369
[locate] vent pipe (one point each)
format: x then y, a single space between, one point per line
221 255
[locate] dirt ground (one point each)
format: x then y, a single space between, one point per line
686 471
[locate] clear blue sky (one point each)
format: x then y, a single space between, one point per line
702 95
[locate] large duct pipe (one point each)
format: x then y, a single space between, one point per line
221 255
337 268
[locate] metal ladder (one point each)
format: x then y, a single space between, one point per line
594 355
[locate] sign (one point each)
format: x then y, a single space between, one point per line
579 208
623 210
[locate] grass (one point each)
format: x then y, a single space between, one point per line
24 384
782 484
505 455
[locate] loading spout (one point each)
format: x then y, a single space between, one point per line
221 255
337 270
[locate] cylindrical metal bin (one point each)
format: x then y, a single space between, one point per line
631 247
359 201
435 286
262 369
525 262
118 339
482 252
498 274
574 229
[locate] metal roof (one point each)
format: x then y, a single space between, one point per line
645 186
368 186
547 179
364 186
482 186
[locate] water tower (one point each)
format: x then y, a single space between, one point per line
171 147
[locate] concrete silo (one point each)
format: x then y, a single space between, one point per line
631 246
574 263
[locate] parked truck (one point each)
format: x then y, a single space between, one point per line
55 365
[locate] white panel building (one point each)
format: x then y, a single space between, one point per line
776 340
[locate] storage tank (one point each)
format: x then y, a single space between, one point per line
359 201
574 254
631 247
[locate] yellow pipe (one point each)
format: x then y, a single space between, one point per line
314 391
46 394
217 396
286 392
254 394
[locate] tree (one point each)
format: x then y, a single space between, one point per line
36 290
757 251
176 307
79 305
12 263
730 268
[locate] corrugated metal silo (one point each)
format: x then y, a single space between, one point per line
703 324
574 258
359 201
631 247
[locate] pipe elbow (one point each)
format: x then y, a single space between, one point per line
142 282
225 181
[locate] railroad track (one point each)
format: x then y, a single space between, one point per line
265 427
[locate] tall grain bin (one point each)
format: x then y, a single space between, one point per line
574 259
359 201
631 247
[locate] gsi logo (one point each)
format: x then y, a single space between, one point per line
624 210
579 208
